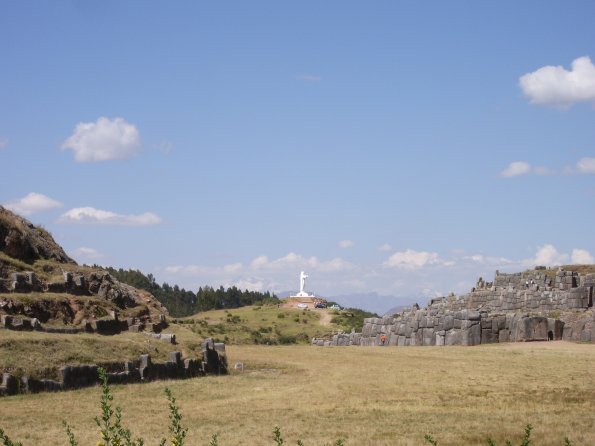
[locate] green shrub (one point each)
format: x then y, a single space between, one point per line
287 339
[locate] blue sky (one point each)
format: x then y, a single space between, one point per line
397 147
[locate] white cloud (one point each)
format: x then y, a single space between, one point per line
103 140
188 270
554 85
586 165
91 215
293 261
232 268
548 255
385 248
582 257
488 260
515 169
248 284
32 203
3 143
411 259
309 78
259 262
85 253
345 244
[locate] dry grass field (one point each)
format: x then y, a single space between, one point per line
365 395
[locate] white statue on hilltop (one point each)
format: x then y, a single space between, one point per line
302 292
303 277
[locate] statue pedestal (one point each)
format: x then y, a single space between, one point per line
302 294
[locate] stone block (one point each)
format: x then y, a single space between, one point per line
453 337
50 385
503 335
77 376
448 322
6 320
175 357
471 335
10 385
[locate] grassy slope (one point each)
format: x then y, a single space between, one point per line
41 354
259 324
368 396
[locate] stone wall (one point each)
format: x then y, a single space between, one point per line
111 326
213 361
531 306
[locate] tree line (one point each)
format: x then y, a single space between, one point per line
180 302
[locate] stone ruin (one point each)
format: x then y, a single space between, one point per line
100 285
530 306
109 326
212 362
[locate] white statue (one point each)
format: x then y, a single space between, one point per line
303 277
303 293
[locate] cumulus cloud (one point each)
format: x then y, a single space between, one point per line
259 262
232 268
488 260
516 168
586 165
89 215
293 261
411 259
32 203
247 284
385 248
548 255
582 257
103 140
345 244
554 85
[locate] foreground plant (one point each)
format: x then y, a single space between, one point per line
114 434
525 442
175 427
7 441
110 424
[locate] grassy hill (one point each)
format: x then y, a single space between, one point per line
267 324
41 354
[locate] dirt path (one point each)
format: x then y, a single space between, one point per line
325 317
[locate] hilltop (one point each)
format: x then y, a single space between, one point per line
21 240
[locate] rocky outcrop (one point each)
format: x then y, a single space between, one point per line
22 240
109 295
